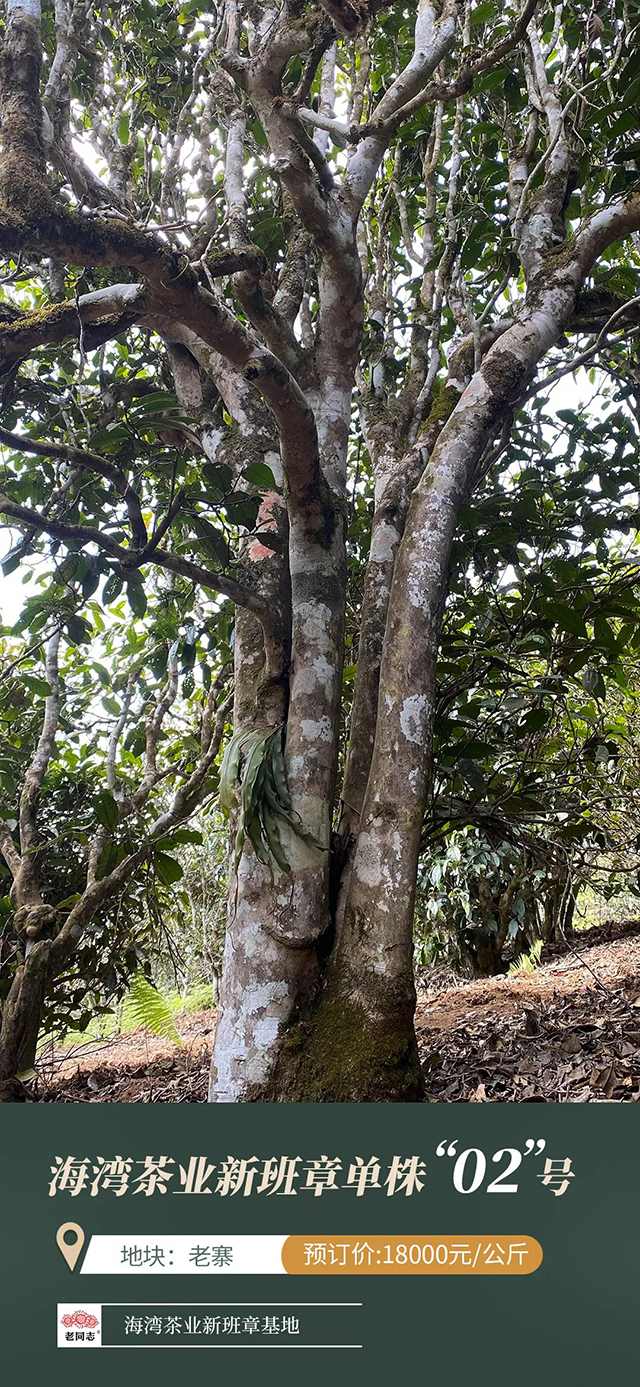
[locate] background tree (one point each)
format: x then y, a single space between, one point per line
535 732
282 205
98 771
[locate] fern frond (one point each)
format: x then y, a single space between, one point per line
529 962
147 1007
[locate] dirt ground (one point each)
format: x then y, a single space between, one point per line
568 1032
133 1068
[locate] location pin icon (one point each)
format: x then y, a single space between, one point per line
70 1250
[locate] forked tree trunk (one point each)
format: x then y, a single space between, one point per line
355 1039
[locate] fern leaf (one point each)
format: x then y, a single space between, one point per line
147 1007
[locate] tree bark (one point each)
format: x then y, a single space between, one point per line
369 983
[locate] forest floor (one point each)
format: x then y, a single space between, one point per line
569 1031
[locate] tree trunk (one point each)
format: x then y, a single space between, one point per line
559 910
364 1011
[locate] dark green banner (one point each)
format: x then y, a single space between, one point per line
467 1244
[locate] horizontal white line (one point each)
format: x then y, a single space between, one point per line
165 1346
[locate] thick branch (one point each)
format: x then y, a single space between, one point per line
94 317
434 38
307 493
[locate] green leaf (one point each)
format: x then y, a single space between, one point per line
589 679
106 810
515 97
483 12
78 630
107 860
112 589
219 479
260 475
179 835
566 618
168 869
90 583
137 598
10 564
242 510
536 719
36 685
213 540
625 156
108 440
475 750
159 402
271 540
145 1006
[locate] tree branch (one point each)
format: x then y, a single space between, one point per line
107 311
154 727
87 462
433 39
185 802
9 850
587 355
112 747
132 559
23 159
26 882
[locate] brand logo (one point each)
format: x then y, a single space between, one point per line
82 1319
79 1326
